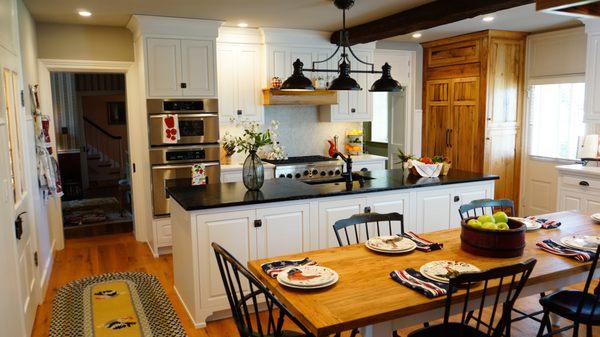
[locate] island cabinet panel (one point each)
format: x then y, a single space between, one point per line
283 230
331 211
392 203
578 190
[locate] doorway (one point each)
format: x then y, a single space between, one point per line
90 122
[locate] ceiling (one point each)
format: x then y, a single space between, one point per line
304 14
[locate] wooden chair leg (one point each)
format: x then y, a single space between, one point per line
588 332
544 324
575 329
354 333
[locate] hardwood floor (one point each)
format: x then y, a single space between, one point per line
120 252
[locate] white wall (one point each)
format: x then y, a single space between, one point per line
551 54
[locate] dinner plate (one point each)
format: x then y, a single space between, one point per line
595 217
391 244
531 225
586 242
307 277
441 270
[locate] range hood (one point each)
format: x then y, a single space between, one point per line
299 97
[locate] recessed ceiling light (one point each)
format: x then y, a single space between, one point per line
488 18
242 25
416 35
85 13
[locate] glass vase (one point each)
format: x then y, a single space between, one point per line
253 173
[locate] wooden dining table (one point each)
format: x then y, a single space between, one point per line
366 297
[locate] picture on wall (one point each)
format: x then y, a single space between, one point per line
116 113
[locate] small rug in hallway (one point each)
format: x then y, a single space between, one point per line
114 305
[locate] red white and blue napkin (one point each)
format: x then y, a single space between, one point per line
423 244
553 247
416 281
546 223
273 268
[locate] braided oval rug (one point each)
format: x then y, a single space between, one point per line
131 304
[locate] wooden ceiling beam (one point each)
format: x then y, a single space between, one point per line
423 17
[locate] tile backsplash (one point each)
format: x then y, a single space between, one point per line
300 131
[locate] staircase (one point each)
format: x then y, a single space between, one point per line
105 155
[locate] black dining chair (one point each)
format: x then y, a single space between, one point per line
371 224
246 296
582 307
361 223
500 285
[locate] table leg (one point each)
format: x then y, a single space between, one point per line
377 330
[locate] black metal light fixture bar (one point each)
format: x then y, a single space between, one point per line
343 82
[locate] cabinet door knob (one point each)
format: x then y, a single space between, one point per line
367 209
183 85
239 112
353 110
584 183
456 198
257 223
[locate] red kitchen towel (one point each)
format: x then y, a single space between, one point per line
170 126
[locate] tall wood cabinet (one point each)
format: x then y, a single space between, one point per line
472 104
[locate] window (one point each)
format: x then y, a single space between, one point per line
379 125
556 119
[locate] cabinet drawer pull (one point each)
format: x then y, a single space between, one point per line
183 85
257 223
456 198
239 112
353 110
584 183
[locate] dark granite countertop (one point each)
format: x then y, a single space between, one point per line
235 194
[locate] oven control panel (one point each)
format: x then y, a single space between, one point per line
185 155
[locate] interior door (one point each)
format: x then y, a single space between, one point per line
438 122
465 138
16 200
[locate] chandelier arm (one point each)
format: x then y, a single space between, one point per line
327 59
361 61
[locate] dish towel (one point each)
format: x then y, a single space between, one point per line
423 244
553 247
170 125
273 268
416 281
546 223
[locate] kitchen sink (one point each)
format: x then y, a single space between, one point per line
338 179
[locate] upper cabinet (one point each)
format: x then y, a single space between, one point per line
181 68
592 73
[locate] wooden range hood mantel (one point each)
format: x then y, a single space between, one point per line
308 97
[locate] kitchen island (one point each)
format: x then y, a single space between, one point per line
288 216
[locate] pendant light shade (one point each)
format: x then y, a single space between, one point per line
386 83
344 81
297 81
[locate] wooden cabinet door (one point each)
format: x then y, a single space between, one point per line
198 68
500 160
283 230
164 67
466 133
438 122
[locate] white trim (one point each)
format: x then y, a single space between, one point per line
556 79
46 273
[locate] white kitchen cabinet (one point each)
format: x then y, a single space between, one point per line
392 203
180 68
282 230
239 81
369 166
578 188
592 73
464 196
331 211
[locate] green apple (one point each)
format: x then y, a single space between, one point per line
500 217
489 225
502 226
486 218
474 223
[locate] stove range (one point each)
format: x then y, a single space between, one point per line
306 167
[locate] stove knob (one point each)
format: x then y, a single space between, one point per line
282 175
323 173
315 172
289 175
306 172
330 172
338 172
298 175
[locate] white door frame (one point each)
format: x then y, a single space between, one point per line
45 67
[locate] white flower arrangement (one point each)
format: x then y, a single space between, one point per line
253 139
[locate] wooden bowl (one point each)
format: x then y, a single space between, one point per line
494 243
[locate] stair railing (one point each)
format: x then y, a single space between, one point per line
102 143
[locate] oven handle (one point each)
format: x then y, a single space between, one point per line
185 115
167 167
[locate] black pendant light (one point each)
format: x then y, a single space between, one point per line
343 82
386 83
297 81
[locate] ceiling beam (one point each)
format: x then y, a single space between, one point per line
423 17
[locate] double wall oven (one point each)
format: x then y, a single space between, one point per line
198 126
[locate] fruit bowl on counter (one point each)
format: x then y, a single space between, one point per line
429 167
493 236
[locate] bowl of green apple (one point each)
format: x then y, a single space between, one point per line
493 235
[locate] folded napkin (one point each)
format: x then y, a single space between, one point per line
416 281
273 268
422 244
546 223
553 247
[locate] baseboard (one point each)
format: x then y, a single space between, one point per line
155 254
45 279
187 311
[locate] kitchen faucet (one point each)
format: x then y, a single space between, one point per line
348 161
